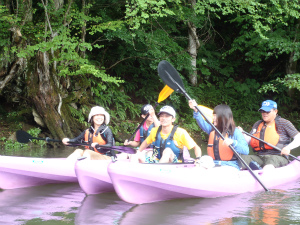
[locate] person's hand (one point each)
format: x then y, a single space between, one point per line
65 141
241 129
285 151
192 104
126 142
227 141
94 144
197 162
151 112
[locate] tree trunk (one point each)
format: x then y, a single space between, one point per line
193 46
291 67
47 100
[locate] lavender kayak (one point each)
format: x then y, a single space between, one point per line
93 177
145 183
20 172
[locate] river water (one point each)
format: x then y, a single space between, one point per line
61 204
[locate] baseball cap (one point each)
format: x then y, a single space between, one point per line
167 109
268 105
145 109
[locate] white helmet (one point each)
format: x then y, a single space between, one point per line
99 110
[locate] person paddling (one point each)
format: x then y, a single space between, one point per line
98 134
275 130
145 129
218 149
168 140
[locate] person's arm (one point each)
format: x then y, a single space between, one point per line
294 144
78 139
132 143
155 119
239 142
247 137
291 132
205 126
198 151
143 146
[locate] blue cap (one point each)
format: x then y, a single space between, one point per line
268 105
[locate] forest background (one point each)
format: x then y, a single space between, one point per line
59 58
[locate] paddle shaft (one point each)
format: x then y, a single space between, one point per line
47 139
141 124
273 146
219 133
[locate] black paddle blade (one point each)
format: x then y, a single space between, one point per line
23 136
170 76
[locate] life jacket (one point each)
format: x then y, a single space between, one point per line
217 150
268 134
97 136
159 144
145 133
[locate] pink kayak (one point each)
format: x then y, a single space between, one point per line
20 172
93 177
145 183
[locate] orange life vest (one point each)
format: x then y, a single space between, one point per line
217 150
92 137
266 133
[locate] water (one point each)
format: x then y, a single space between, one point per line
61 204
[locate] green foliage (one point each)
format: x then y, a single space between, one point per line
119 107
244 47
79 115
139 12
34 132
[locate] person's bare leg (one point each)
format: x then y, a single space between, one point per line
167 156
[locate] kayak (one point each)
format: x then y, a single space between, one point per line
20 172
93 177
145 183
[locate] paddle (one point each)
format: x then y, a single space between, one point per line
24 137
165 92
273 146
171 77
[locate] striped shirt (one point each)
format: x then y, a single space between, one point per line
285 129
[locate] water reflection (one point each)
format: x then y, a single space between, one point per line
275 207
49 202
67 204
104 208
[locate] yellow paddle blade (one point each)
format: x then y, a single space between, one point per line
207 112
165 92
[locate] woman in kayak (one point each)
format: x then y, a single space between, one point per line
217 148
145 129
99 135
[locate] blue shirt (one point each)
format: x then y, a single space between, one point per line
239 143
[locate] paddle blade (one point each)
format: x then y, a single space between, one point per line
170 76
166 92
207 112
23 136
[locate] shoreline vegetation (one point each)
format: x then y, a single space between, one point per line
60 58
